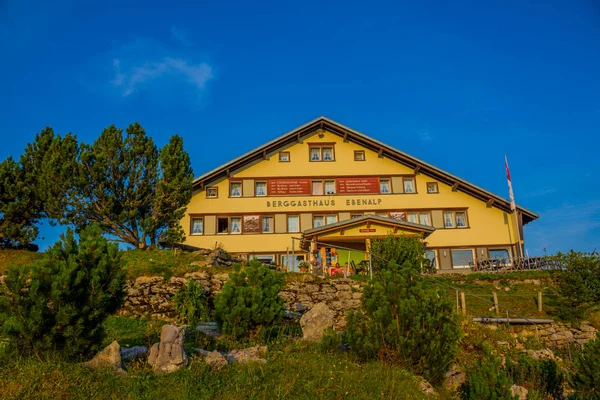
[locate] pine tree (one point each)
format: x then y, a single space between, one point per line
586 379
34 188
61 302
487 380
403 323
249 299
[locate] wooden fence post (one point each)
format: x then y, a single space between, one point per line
540 301
457 307
463 303
496 305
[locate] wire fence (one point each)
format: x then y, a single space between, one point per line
490 302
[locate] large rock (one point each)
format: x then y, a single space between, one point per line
109 358
315 321
544 354
133 353
426 387
519 391
168 355
249 354
215 359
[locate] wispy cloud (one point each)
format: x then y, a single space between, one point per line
425 136
129 79
180 36
540 193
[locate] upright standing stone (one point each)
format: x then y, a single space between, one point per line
168 355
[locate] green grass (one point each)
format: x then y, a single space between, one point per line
294 370
10 257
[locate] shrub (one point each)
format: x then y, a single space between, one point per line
249 299
542 375
487 379
191 304
61 302
399 321
586 377
579 284
331 341
406 252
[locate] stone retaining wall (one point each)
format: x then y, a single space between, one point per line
151 295
557 334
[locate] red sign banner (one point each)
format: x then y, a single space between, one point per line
292 186
358 185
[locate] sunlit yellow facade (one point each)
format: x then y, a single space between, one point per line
261 204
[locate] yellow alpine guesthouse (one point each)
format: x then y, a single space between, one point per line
318 192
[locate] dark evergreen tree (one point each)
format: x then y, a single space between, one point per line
61 302
403 323
249 299
34 188
487 380
406 252
586 378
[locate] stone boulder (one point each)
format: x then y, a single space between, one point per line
426 387
519 391
315 321
544 354
168 355
109 358
133 353
215 359
249 354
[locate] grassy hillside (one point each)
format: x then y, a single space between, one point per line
17 257
294 369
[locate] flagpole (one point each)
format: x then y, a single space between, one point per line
513 207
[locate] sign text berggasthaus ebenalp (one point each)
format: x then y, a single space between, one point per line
373 201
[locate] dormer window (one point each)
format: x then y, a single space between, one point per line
321 152
315 154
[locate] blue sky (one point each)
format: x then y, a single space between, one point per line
454 83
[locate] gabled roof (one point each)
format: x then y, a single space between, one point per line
391 222
299 134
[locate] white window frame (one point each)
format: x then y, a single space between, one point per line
192 233
209 190
297 217
323 149
331 216
231 189
231 225
451 220
317 152
262 225
318 218
414 184
461 266
428 218
389 185
466 225
330 182
256 183
415 214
